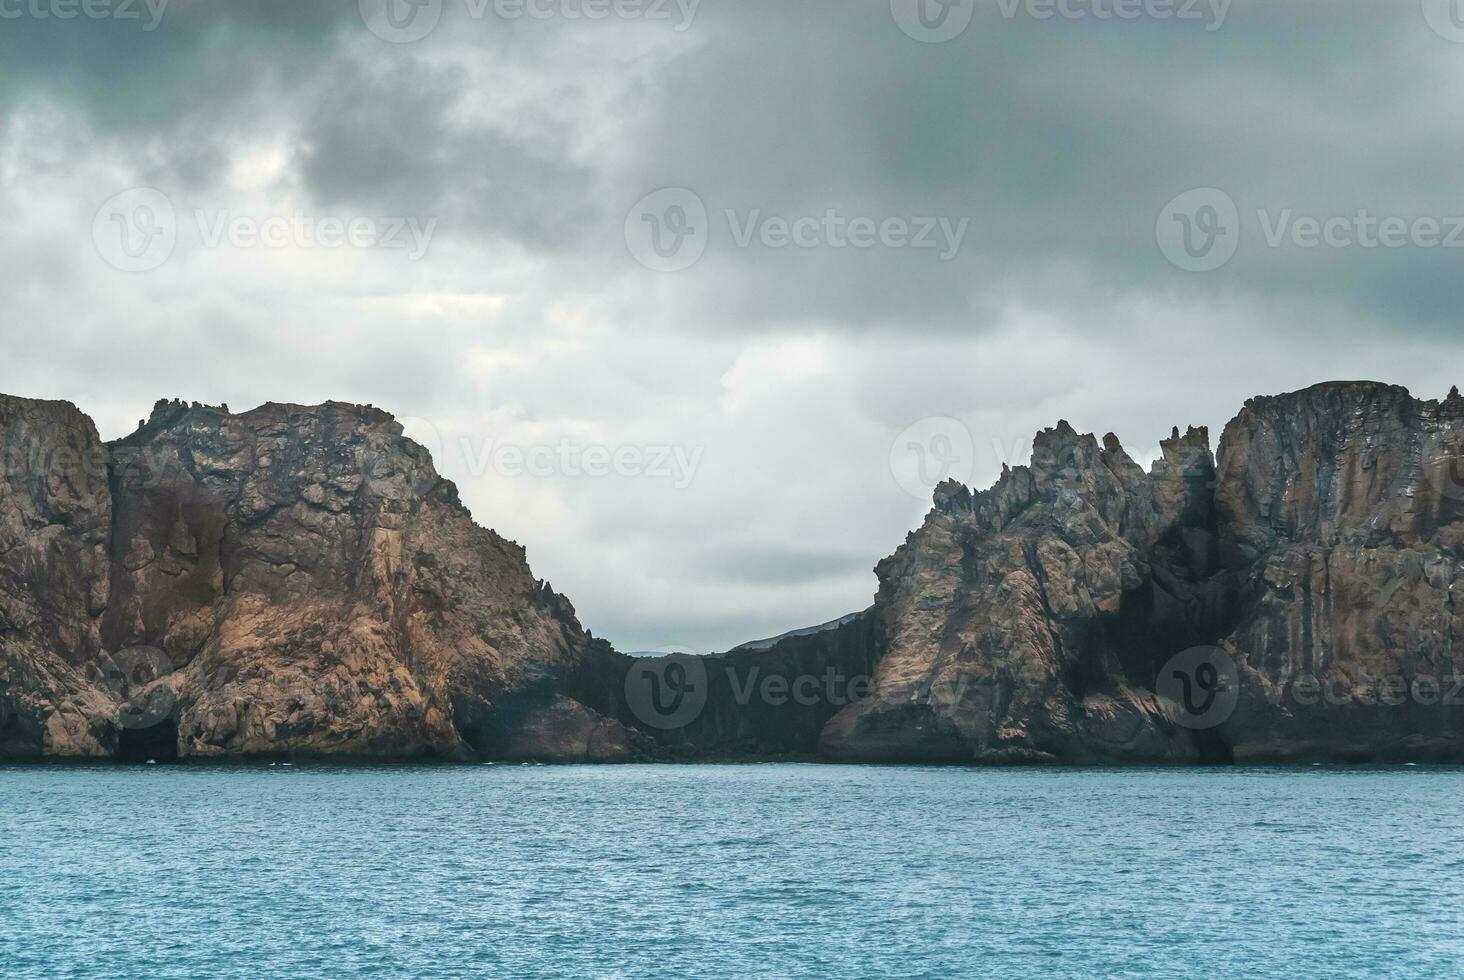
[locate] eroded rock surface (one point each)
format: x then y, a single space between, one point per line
313 586
300 582
1344 507
1016 623
55 516
1039 620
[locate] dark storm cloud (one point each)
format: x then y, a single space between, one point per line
384 138
1058 140
166 81
1061 141
794 370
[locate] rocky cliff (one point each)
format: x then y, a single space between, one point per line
300 582
1293 602
289 581
1344 524
55 523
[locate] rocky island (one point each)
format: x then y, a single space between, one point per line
299 583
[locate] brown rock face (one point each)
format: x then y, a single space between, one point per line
1017 621
1054 616
55 515
300 581
287 581
1344 506
564 730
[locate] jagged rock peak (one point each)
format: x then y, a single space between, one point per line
953 497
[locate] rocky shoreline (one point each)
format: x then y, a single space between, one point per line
298 583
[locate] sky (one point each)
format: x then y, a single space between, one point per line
698 300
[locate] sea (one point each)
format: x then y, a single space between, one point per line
730 871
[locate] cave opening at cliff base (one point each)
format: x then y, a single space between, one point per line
155 743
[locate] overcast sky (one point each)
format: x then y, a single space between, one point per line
507 222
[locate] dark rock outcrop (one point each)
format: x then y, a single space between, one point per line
753 702
300 582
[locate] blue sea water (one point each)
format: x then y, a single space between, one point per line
778 871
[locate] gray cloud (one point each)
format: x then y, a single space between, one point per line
790 371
